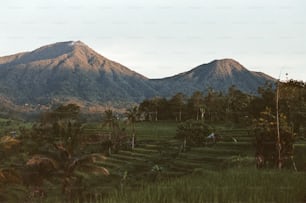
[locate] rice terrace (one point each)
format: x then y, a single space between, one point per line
159 151
198 102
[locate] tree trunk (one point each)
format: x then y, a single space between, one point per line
293 163
184 144
133 141
109 151
133 136
110 145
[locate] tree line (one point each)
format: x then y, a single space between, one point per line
233 106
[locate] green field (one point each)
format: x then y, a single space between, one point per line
224 172
158 171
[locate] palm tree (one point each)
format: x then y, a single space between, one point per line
132 116
7 143
110 120
11 188
62 164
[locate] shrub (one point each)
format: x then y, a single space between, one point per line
193 132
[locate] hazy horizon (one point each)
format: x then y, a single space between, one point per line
162 38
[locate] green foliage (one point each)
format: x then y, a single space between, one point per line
237 105
267 138
51 152
265 99
195 103
193 131
293 103
132 115
244 185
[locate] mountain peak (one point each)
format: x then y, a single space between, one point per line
66 43
222 67
218 74
49 52
69 69
227 64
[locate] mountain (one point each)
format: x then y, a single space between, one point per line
218 75
72 71
69 71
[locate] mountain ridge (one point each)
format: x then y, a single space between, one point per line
218 75
71 70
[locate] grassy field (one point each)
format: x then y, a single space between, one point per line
7 125
243 185
224 172
158 171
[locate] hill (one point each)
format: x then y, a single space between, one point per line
218 75
72 71
69 71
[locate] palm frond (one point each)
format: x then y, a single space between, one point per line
8 142
8 175
98 157
63 151
42 161
95 170
85 160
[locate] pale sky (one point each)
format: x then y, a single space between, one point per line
160 38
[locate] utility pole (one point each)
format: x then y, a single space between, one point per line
278 142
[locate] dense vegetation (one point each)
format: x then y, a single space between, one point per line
63 158
235 106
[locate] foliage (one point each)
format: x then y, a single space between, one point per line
195 103
132 115
109 120
267 141
243 185
237 105
194 132
293 103
54 155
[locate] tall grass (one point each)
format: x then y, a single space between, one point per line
158 130
243 185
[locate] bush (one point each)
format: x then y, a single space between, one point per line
194 132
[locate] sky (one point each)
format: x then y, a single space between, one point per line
161 38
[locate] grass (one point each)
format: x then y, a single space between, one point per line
159 130
7 125
218 173
243 185
221 173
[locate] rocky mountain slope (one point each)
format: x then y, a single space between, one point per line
71 71
218 75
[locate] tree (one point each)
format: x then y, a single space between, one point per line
132 116
266 99
59 163
11 188
237 104
192 132
195 103
271 150
215 104
292 102
59 151
177 103
110 120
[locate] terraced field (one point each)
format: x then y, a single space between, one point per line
158 156
157 147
